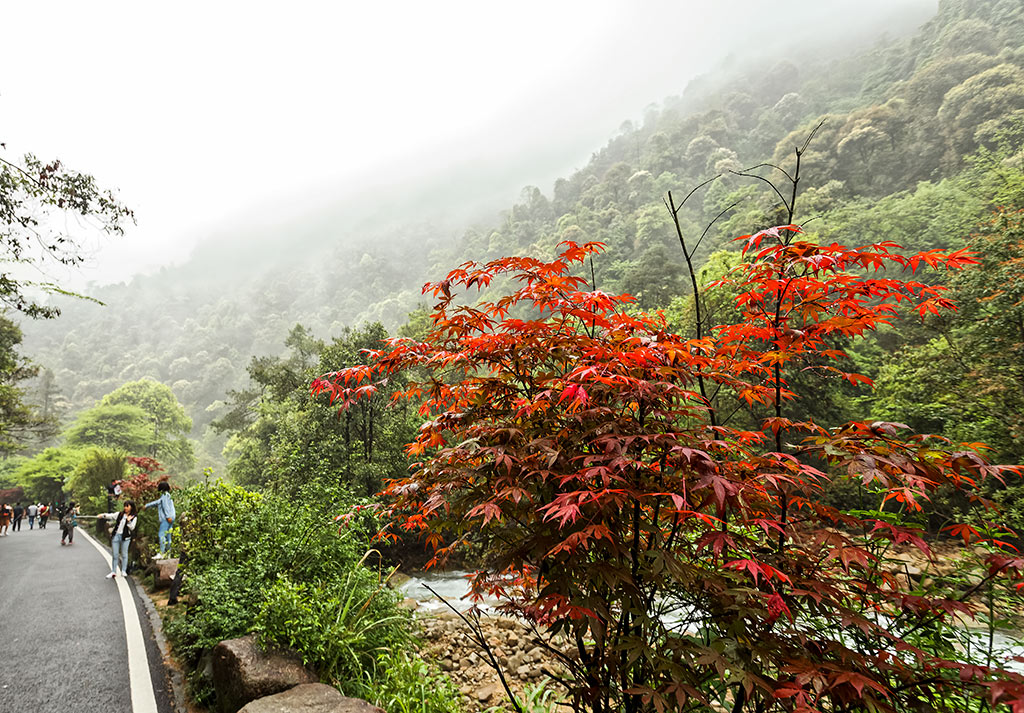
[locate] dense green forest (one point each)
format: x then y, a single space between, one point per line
919 143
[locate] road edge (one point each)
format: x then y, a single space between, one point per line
158 668
156 623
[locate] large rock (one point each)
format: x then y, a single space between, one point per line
163 572
243 672
310 698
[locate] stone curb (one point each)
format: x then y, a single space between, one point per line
175 675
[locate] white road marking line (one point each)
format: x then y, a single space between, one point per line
143 698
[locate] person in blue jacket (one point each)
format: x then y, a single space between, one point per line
165 511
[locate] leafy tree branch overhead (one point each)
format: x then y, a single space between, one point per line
37 200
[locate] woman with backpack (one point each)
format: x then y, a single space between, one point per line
124 528
68 523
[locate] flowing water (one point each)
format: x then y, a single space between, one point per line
453 587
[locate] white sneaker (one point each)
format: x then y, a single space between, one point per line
123 573
111 575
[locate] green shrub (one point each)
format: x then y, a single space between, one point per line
226 600
236 544
259 563
339 627
406 684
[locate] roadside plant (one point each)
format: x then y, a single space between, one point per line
583 450
256 563
404 683
340 627
145 474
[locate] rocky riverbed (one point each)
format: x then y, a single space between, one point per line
526 658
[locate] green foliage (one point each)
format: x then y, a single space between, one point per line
538 698
237 543
965 379
170 424
96 469
226 599
141 418
255 562
404 683
19 420
931 216
44 475
35 199
280 439
127 428
982 104
340 627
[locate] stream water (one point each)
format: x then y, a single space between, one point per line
453 587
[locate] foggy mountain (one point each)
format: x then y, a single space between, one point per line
472 177
340 255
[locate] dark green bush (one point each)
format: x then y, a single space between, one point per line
256 562
235 545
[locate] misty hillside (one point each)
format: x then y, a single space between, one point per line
907 126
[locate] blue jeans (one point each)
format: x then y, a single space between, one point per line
31 522
119 550
165 535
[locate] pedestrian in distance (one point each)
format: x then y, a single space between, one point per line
124 529
165 511
30 512
19 511
44 514
5 519
68 523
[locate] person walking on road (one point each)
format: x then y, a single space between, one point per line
68 523
30 512
165 511
19 511
44 514
5 519
124 529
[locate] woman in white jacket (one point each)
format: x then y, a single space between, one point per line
124 528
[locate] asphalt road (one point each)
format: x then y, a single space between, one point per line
62 629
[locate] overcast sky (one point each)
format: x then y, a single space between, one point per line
211 116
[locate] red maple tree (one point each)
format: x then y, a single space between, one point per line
690 565
147 474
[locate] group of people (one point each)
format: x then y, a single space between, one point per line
12 517
125 523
